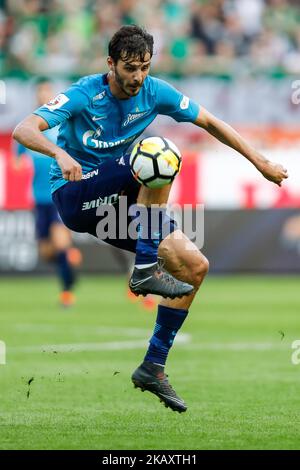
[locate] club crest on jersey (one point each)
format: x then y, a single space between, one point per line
133 117
57 102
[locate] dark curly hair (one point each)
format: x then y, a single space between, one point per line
130 42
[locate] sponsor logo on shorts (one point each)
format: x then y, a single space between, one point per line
109 200
90 174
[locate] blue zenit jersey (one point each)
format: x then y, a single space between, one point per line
95 125
42 164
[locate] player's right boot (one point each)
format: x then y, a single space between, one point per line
155 280
151 377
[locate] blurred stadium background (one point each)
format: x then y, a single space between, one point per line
237 58
241 60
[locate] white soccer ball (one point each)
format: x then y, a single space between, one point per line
155 161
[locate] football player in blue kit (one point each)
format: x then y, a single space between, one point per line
99 117
54 239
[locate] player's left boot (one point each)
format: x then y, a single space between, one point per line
151 377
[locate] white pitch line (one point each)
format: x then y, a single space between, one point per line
85 329
239 346
182 338
82 347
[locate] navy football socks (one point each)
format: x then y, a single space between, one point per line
168 322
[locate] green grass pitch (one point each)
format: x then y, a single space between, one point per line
232 366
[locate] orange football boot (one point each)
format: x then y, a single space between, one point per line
67 298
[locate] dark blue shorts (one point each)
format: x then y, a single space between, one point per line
77 202
45 216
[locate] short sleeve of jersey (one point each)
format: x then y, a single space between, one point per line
173 103
66 104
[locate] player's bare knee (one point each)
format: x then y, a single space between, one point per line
173 262
199 269
165 250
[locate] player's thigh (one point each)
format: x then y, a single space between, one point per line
182 258
60 236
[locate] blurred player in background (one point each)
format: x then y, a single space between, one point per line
54 238
149 302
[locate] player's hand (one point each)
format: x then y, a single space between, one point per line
71 170
273 172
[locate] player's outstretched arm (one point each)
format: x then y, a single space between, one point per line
224 133
29 133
